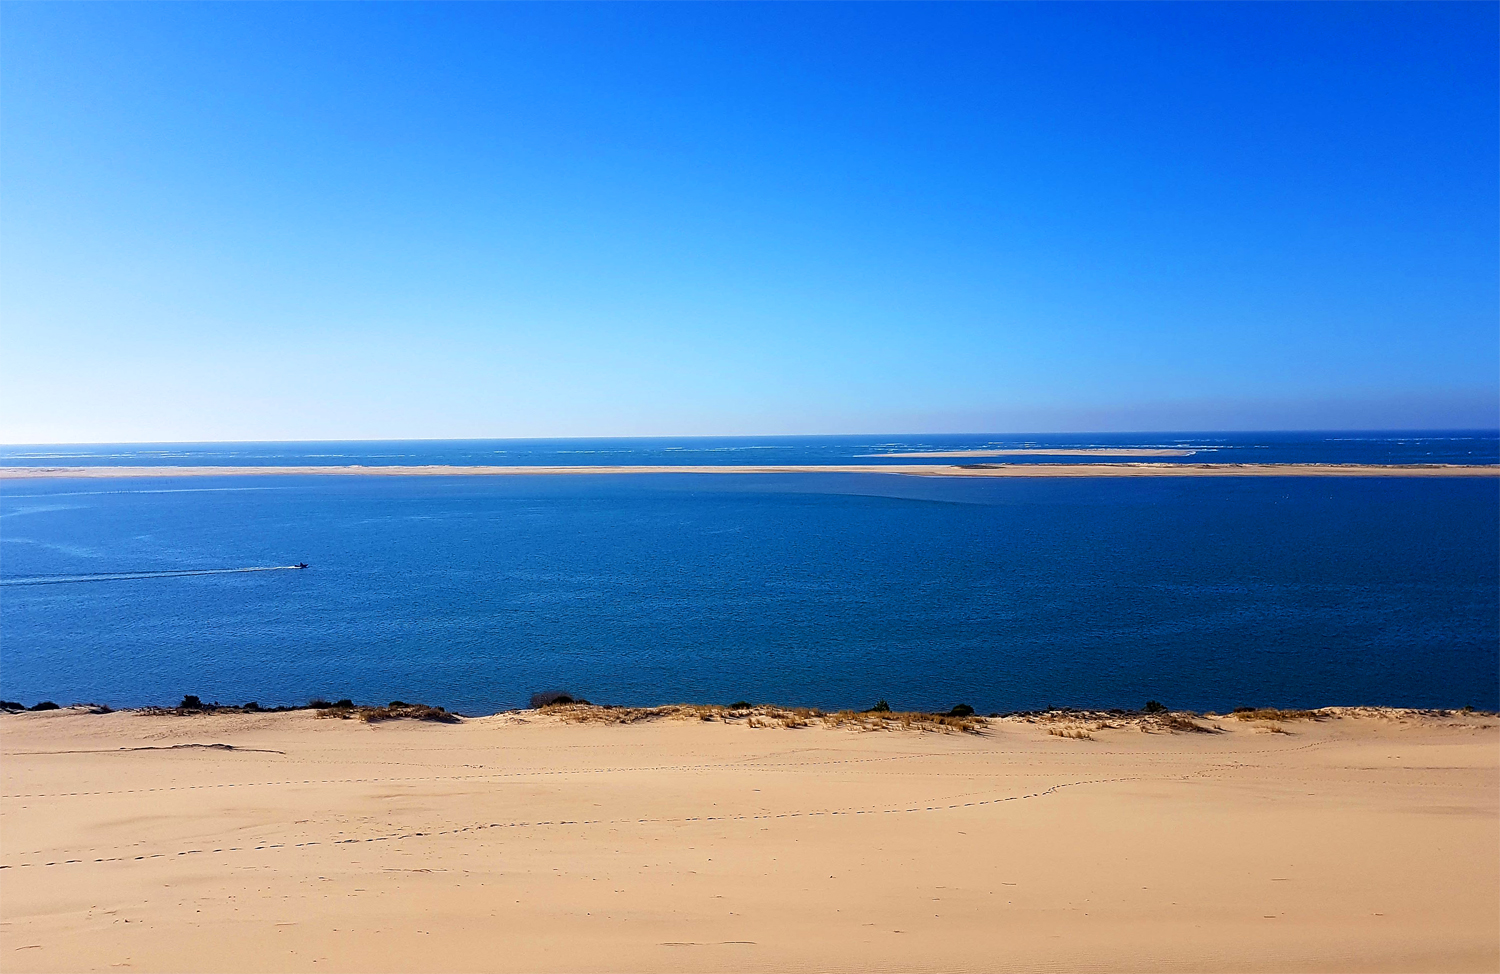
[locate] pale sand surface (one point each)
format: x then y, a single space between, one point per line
1093 451
1362 842
924 470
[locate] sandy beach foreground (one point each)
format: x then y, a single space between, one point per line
1361 840
908 469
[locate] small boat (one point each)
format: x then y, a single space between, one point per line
300 564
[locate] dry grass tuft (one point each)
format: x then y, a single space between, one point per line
589 714
1181 722
1271 713
1063 723
396 711
768 716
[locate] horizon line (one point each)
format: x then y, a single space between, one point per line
1472 430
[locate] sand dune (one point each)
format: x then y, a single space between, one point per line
910 469
1366 841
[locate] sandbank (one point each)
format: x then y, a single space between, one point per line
919 470
1093 451
1362 840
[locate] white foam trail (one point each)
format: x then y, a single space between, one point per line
128 576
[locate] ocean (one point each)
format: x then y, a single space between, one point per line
1459 446
821 589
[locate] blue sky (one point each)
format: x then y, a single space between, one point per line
264 221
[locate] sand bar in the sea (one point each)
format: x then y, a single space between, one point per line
921 470
1093 451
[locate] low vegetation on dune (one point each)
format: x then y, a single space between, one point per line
1179 722
1079 725
345 709
765 715
395 710
1082 725
1272 714
15 706
1061 722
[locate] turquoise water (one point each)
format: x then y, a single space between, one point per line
832 590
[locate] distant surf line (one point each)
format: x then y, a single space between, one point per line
131 576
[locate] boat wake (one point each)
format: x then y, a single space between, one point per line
130 576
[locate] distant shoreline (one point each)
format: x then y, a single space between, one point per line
918 470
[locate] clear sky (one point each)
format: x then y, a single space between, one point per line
266 221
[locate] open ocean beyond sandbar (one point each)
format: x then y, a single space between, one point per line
831 590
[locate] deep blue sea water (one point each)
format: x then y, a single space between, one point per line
832 590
